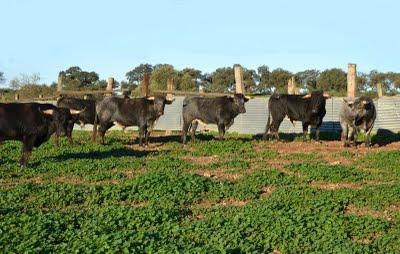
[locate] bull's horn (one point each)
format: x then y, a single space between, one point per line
326 95
150 98
170 99
349 102
75 112
365 102
48 111
247 97
306 96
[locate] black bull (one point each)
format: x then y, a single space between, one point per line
309 109
220 111
33 124
87 115
124 112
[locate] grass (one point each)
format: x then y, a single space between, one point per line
174 198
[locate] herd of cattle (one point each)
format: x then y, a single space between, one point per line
34 123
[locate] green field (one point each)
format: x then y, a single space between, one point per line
240 195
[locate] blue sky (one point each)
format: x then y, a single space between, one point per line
112 37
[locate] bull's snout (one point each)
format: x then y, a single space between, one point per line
243 110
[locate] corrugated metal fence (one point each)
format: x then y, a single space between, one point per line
255 118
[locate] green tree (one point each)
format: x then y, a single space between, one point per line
307 79
135 76
24 79
333 80
2 78
160 75
222 80
189 79
76 78
279 79
263 78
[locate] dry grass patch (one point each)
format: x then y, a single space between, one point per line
365 211
208 204
368 239
266 191
201 160
348 185
220 174
133 204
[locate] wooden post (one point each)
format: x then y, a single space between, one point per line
110 84
60 83
351 80
239 79
292 86
379 88
16 97
145 85
170 87
40 96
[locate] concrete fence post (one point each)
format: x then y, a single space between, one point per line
110 84
379 88
60 83
170 87
145 85
292 89
351 80
239 79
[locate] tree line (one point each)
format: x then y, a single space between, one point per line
261 81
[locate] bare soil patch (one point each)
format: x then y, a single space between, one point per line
266 191
201 160
386 214
220 174
208 204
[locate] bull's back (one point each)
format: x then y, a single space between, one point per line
204 109
17 120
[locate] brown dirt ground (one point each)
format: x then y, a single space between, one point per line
387 213
220 174
201 160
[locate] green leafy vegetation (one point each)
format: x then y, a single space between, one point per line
239 195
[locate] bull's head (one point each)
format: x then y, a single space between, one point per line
318 101
239 100
62 118
359 108
158 103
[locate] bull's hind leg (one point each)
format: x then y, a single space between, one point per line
102 131
193 130
345 134
221 131
142 133
185 129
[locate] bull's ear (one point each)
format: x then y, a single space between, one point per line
326 95
75 112
307 96
49 112
246 98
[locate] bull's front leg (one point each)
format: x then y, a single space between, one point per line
142 132
305 132
317 134
27 147
221 131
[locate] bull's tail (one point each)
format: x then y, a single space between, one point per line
96 119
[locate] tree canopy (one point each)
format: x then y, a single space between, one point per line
75 78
